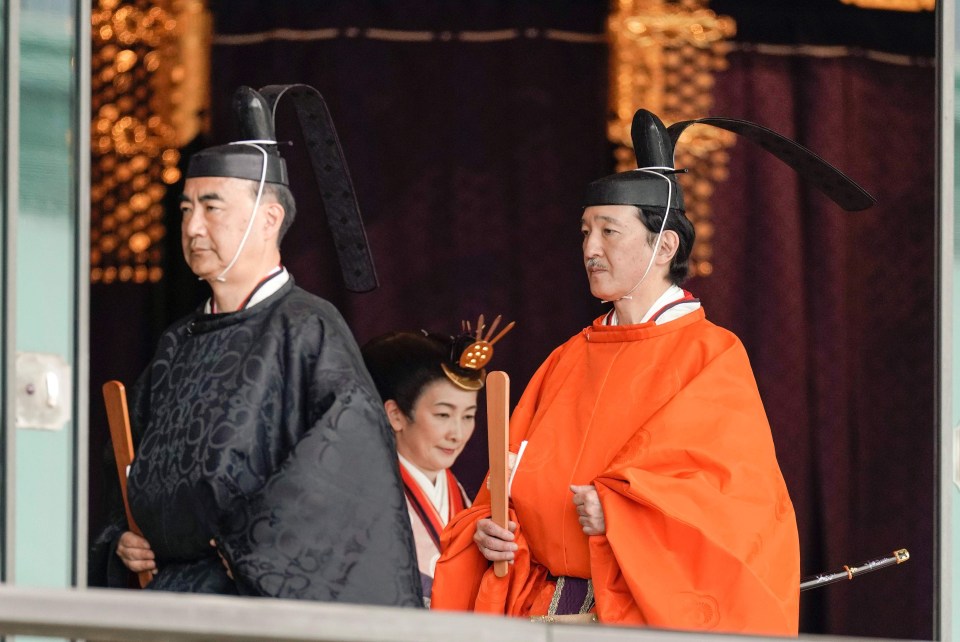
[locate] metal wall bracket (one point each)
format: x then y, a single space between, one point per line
44 391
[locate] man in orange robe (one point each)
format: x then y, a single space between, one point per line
646 488
666 422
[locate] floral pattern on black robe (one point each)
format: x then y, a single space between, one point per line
262 429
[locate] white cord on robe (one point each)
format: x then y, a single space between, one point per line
256 205
516 463
656 246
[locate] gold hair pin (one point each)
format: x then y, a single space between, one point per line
478 353
472 350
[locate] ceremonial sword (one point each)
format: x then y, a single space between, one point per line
849 572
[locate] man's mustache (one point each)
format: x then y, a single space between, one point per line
594 262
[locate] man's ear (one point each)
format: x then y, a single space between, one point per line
669 244
394 415
273 215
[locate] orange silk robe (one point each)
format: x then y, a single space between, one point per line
667 422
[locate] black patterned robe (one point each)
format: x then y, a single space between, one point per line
262 429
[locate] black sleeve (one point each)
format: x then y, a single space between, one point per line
331 524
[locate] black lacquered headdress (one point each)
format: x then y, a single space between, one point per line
471 351
257 157
654 181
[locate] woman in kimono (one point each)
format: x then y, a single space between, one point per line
429 387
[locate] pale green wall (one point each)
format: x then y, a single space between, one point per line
5 194
45 290
950 563
950 553
44 306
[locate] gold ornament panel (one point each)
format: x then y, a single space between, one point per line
663 55
894 5
138 79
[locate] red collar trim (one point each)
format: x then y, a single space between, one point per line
277 272
424 507
687 298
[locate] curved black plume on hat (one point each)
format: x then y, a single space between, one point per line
256 111
839 187
654 145
333 179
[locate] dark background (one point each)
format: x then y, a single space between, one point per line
469 160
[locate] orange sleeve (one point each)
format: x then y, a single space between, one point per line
462 572
464 580
650 569
701 535
460 568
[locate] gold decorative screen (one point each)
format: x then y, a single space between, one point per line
663 56
895 5
146 104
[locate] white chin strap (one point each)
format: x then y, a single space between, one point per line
656 245
256 205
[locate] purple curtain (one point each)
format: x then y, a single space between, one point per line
836 312
469 157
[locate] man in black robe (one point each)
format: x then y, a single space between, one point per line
257 427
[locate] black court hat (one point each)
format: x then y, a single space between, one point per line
256 111
654 144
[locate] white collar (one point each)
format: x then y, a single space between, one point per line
673 293
270 283
670 295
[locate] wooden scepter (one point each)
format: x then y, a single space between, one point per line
115 399
498 432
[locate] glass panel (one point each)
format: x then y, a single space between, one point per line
4 191
45 288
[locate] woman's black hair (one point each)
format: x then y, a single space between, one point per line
403 364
